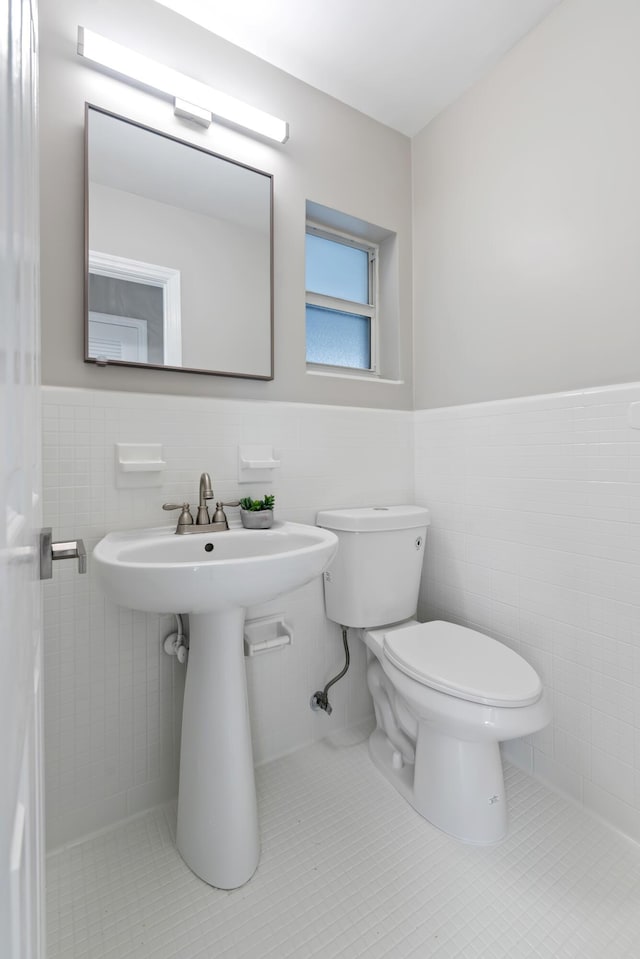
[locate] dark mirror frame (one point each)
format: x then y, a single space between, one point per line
217 156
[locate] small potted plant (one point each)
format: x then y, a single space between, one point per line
257 513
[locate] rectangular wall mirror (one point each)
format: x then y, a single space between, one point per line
179 253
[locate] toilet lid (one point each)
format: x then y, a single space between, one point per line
463 663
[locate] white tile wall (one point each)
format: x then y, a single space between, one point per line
535 539
112 697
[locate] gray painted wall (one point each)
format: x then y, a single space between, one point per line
336 157
526 236
525 244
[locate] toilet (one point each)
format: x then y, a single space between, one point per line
444 695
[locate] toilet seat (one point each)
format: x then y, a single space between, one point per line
463 663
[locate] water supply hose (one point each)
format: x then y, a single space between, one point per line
320 699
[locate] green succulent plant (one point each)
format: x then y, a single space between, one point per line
254 505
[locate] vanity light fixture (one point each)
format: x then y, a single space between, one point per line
191 99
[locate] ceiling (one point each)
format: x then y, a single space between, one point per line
399 61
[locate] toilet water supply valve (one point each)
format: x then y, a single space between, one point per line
177 644
320 699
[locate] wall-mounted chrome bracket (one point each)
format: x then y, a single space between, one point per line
50 551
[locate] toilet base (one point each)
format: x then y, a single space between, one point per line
456 785
382 753
459 786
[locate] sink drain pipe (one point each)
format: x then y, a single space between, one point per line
177 644
320 699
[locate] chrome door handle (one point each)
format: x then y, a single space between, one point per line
50 551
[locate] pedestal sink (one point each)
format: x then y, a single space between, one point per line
213 577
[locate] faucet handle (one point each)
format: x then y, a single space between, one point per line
185 518
220 516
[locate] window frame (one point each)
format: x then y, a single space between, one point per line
369 310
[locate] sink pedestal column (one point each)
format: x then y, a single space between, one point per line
217 810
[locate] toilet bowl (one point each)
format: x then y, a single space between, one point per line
444 695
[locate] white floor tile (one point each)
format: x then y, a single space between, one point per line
348 870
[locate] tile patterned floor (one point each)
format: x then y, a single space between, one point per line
348 870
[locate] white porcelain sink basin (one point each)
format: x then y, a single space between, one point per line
213 577
158 571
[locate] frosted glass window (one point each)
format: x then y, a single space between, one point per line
338 339
341 285
336 269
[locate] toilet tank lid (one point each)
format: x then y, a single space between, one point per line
364 519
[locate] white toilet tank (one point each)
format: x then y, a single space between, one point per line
375 576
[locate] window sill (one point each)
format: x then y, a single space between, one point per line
363 377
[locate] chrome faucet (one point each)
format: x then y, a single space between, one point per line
203 522
203 518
